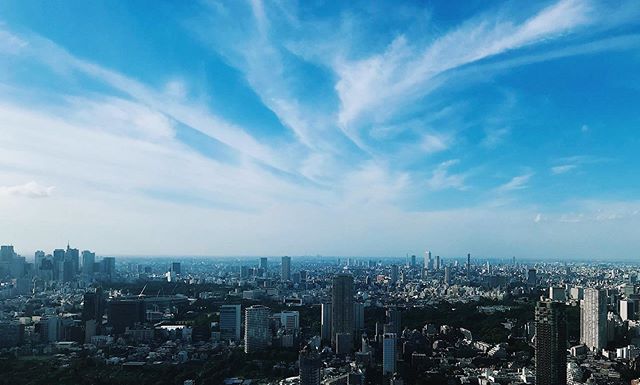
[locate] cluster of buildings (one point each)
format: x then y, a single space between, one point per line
345 317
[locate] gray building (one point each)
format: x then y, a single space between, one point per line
551 343
341 305
325 321
310 365
230 322
285 269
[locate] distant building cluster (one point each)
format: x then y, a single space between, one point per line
349 320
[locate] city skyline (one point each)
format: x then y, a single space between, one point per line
251 128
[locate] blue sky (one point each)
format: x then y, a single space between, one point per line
311 127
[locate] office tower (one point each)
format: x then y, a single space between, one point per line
341 305
290 320
532 278
50 328
285 267
230 322
394 320
389 353
93 311
437 262
428 262
88 263
557 294
447 275
627 309
264 264
38 257
256 328
11 334
358 316
67 271
244 272
125 313
58 261
344 343
325 322
468 265
73 255
394 274
6 253
413 261
310 367
303 275
109 267
593 319
176 268
551 343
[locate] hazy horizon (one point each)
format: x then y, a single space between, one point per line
355 128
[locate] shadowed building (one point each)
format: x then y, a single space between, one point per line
551 343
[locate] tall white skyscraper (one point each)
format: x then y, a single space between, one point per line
230 322
389 353
428 262
593 319
256 328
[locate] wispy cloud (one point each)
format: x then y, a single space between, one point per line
404 70
28 190
519 182
442 179
557 170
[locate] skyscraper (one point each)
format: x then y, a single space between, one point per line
358 316
176 268
58 264
73 256
532 278
447 275
468 265
437 262
88 263
310 365
256 328
325 322
285 273
413 261
394 319
109 267
264 264
593 319
394 274
341 305
230 322
428 262
551 343
389 353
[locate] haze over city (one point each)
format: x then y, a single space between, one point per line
332 128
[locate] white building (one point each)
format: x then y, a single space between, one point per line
257 334
593 319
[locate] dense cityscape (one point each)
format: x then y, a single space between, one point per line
81 319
